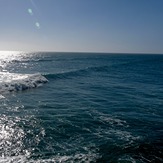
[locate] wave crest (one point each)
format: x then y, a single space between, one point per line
78 72
12 82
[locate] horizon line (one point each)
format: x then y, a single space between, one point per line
47 51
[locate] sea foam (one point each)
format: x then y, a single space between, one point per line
13 82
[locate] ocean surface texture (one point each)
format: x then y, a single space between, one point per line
79 107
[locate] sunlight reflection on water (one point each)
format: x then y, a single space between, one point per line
16 139
7 56
11 136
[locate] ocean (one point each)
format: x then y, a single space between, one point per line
81 107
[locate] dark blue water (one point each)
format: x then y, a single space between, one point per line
94 108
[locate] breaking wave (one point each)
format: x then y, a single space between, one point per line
13 82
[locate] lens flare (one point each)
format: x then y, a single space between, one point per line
30 11
37 24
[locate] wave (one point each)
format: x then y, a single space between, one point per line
78 72
27 60
12 82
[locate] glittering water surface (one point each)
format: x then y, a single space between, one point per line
78 107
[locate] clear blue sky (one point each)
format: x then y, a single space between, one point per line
82 25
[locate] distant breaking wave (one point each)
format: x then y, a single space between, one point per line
12 82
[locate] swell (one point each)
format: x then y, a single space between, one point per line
75 73
29 60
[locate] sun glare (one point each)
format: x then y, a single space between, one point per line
6 54
9 56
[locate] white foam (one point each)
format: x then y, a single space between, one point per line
12 82
87 158
1 97
127 158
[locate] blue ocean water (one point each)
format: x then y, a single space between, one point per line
81 107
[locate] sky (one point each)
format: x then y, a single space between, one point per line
118 26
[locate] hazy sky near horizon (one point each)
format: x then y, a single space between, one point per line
134 26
